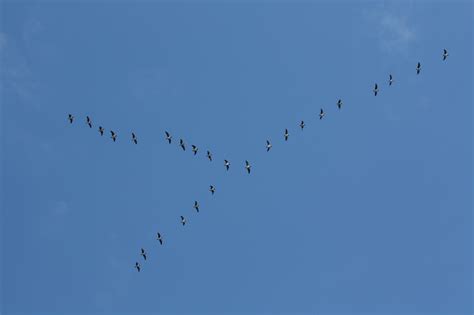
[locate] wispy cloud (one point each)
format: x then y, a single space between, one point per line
16 75
394 28
396 33
61 208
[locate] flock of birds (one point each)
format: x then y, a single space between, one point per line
195 149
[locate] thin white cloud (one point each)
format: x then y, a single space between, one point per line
3 41
393 27
395 33
61 208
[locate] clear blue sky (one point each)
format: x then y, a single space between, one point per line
368 211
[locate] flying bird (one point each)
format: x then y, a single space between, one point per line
195 149
269 145
302 125
390 79
196 206
168 137
212 189
181 144
70 118
286 134
445 54
321 114
158 237
209 155
113 135
183 220
418 68
226 164
376 89
89 121
101 130
247 166
137 265
134 138
339 104
143 253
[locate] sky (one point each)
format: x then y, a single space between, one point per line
367 211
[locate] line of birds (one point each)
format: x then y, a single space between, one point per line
248 167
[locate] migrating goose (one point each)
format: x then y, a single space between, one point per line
286 134
113 135
269 145
390 79
137 265
89 121
247 166
196 206
101 130
181 144
134 138
445 54
209 155
183 220
168 136
321 114
143 253
339 104
376 89
418 68
158 237
70 118
302 125
212 189
226 164
195 149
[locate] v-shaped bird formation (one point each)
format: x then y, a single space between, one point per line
209 155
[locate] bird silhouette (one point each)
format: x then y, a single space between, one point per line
181 144
70 118
226 164
89 121
212 189
168 137
286 135
134 138
339 104
196 206
376 89
195 149
247 166
418 68
113 135
390 79
137 265
302 125
321 114
445 54
183 221
159 238
143 253
209 155
101 130
269 146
